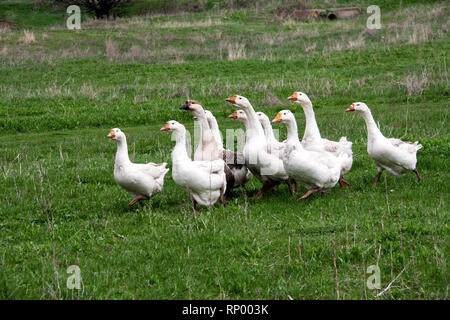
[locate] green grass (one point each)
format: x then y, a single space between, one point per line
61 94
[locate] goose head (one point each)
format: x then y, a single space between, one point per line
263 118
173 125
239 101
358 107
283 116
239 115
300 98
193 107
116 134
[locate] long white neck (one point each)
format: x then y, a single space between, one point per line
372 128
254 127
311 128
179 153
122 153
268 130
292 131
216 132
204 126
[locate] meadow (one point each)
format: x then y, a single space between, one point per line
61 91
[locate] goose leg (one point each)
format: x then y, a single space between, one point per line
343 182
380 171
419 177
266 187
289 183
194 205
138 198
310 192
296 185
222 197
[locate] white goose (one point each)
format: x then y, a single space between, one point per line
316 170
274 146
313 141
207 148
393 155
235 168
266 167
204 181
142 181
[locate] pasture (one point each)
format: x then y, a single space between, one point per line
61 91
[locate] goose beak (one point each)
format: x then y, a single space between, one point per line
165 128
293 97
233 115
351 108
231 100
111 134
277 118
185 106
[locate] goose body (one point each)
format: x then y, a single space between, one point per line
312 139
316 170
141 181
204 181
236 171
268 168
393 155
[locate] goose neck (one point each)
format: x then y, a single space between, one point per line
122 152
311 128
372 128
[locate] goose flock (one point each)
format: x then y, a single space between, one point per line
317 163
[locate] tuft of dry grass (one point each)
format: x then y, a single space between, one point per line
111 50
420 33
272 100
88 90
415 84
236 51
4 51
357 43
28 37
188 24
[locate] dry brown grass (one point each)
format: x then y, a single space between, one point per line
28 37
415 84
420 33
88 90
188 24
4 51
111 49
271 100
359 42
236 51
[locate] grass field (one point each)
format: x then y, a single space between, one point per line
61 92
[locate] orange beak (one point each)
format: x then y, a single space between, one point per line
166 127
293 97
231 100
351 108
111 134
233 115
277 118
